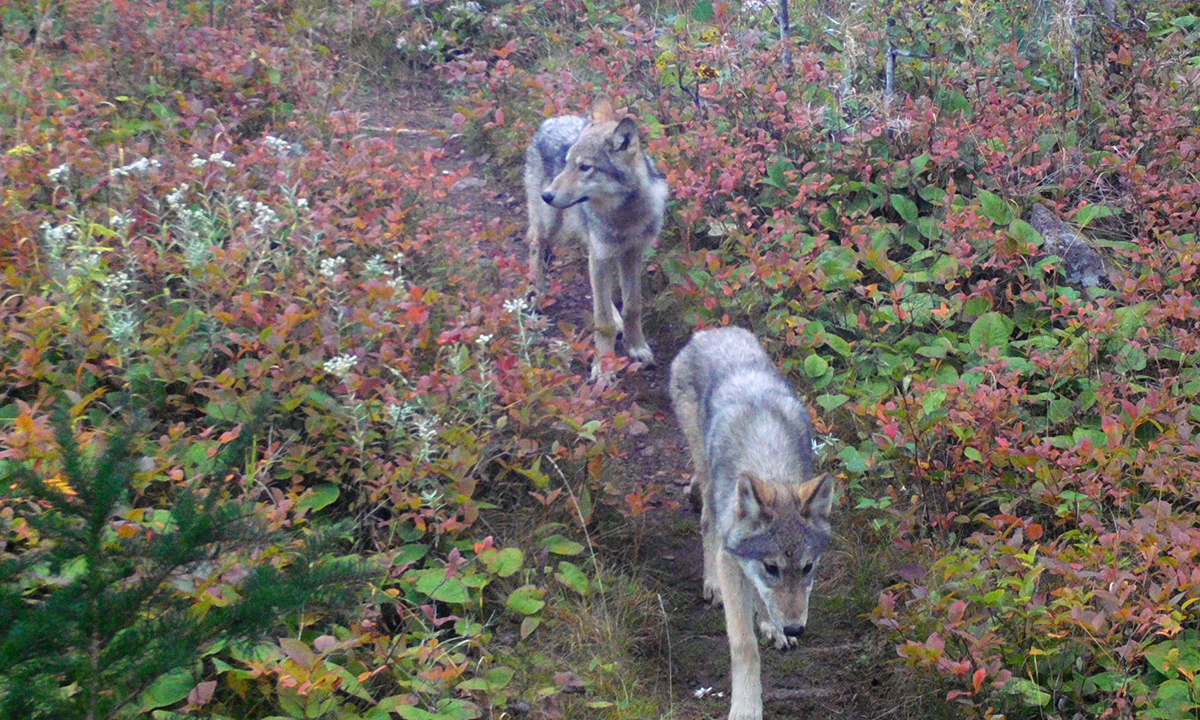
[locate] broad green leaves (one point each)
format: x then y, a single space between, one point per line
907 208
995 208
990 331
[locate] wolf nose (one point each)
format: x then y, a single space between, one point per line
793 630
548 197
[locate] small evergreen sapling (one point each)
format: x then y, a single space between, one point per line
90 620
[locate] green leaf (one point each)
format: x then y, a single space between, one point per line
1030 692
526 600
815 366
318 497
436 585
703 11
775 176
1024 232
830 402
410 712
973 454
928 227
570 575
995 208
990 330
838 345
906 207
559 545
498 677
977 305
1060 409
505 562
1088 213
933 400
410 553
529 624
168 689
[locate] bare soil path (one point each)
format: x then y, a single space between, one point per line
841 669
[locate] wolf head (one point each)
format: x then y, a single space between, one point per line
778 535
601 163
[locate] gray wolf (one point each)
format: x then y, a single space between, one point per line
764 517
590 179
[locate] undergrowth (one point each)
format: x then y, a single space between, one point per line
195 212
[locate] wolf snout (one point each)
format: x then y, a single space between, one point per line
548 197
793 631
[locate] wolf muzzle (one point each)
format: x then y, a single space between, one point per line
548 198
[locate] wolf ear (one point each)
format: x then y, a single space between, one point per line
816 496
754 494
624 137
602 110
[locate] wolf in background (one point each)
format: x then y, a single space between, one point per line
590 179
764 517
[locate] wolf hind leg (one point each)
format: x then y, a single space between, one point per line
688 411
544 224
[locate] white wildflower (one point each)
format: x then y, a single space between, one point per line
264 217
60 174
330 267
219 159
375 267
197 162
753 6
175 197
120 221
58 234
483 340
116 283
516 305
341 365
401 42
279 146
241 203
302 203
140 166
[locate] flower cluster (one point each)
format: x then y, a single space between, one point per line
141 166
217 158
341 365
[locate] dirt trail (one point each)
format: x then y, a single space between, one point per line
838 671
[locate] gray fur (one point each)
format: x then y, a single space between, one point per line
549 148
604 190
764 517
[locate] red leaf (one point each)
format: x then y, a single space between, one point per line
202 693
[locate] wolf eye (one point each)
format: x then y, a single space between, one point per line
584 167
808 568
771 568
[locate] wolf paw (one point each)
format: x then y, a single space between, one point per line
776 637
642 354
712 594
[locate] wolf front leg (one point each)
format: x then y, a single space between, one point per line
603 314
632 261
738 595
